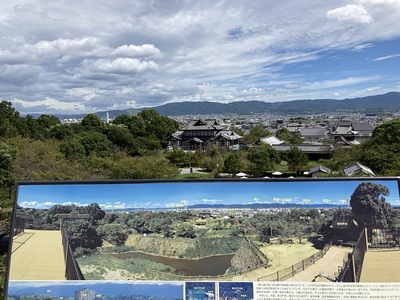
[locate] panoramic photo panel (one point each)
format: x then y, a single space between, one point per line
95 290
217 230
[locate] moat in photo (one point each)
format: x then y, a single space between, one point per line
208 266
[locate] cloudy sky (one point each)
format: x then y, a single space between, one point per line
91 55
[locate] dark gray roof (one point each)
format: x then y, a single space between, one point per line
306 148
344 123
319 168
357 167
229 135
204 125
363 126
177 135
195 139
313 132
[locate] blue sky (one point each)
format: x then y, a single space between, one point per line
177 194
86 56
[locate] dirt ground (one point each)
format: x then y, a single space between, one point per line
281 257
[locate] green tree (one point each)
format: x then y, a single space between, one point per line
82 234
42 160
342 157
47 121
61 132
255 134
95 143
288 137
115 234
232 163
146 167
186 230
9 120
95 212
369 207
92 122
380 153
7 162
387 133
73 150
160 126
178 157
120 136
262 158
296 159
36 131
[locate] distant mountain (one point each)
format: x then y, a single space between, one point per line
261 206
386 103
389 102
243 206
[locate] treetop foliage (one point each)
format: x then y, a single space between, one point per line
369 206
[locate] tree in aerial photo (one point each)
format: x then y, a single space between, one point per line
369 206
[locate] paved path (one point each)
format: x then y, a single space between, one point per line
37 255
328 264
381 266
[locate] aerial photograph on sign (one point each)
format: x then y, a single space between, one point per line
227 230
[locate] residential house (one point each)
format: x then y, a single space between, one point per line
201 135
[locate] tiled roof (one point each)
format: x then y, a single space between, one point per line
319 168
363 126
177 135
313 132
357 167
307 148
229 135
271 140
204 125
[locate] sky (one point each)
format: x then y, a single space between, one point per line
164 195
99 55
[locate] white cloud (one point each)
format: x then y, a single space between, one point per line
122 66
340 82
352 12
145 50
386 57
363 47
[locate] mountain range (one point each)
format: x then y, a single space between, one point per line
386 103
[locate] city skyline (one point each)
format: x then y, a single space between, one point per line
84 57
165 195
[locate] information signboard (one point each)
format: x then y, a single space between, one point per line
206 239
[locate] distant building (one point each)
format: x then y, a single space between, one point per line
318 170
313 135
313 151
352 132
358 169
363 129
201 135
85 294
271 140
